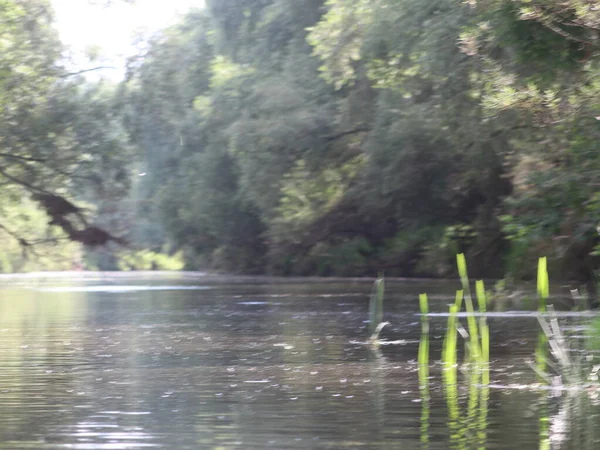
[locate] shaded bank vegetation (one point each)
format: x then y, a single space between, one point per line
342 137
348 136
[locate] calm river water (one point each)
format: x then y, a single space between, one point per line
190 362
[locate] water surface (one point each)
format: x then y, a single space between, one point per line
192 362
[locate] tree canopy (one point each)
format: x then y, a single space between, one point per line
63 142
343 136
322 136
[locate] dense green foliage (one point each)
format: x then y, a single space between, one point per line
63 144
346 136
326 136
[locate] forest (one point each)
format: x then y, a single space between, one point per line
310 137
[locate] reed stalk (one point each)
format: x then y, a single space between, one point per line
424 370
424 342
543 292
543 284
475 350
483 326
449 350
450 376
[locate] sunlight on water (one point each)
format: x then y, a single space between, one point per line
117 289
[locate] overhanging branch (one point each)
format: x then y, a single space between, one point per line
79 72
23 243
333 137
20 182
21 158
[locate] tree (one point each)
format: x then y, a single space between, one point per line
56 137
287 136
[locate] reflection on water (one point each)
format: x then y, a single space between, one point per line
258 366
467 422
117 289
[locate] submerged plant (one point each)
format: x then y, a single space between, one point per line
566 364
573 376
557 362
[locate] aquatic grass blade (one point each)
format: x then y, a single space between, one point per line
458 299
543 291
449 351
450 379
424 342
424 358
469 427
474 346
423 304
543 284
424 307
484 330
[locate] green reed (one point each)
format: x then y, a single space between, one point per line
466 427
484 329
450 376
424 342
458 299
543 284
478 342
468 424
543 292
450 348
424 370
474 346
560 361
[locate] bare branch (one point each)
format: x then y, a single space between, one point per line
16 180
333 137
79 72
26 246
46 163
565 17
21 158
567 35
14 235
52 240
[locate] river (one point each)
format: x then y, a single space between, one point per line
185 361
